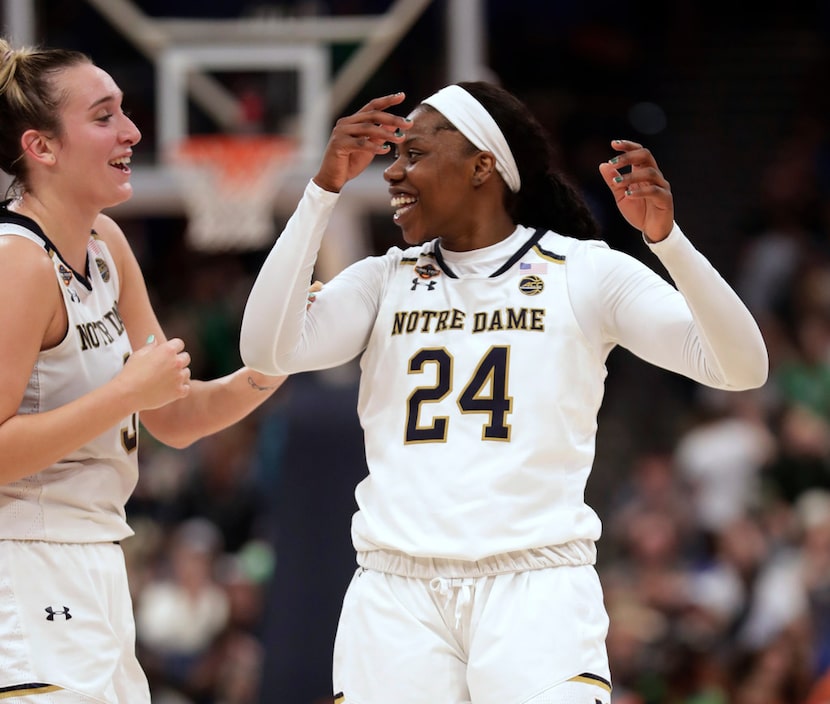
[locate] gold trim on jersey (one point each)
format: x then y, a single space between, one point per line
588 678
29 688
548 256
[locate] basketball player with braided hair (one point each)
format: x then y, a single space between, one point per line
82 355
482 346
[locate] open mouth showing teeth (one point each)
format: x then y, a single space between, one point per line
402 203
123 164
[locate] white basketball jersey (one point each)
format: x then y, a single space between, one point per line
81 498
478 398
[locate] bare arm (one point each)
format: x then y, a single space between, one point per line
209 406
31 442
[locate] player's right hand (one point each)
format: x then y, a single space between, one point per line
356 139
157 374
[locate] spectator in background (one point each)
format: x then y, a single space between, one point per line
180 614
802 459
722 458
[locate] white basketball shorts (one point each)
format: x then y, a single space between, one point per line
529 637
66 625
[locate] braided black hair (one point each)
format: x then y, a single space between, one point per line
547 198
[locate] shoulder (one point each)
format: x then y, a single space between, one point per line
15 229
593 266
574 251
376 269
107 231
396 255
412 254
550 239
22 250
27 275
26 265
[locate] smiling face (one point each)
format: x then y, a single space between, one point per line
431 181
93 150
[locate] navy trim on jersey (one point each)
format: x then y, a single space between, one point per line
590 678
7 215
524 249
550 255
439 259
21 690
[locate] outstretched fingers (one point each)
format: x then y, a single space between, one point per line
372 123
357 138
640 189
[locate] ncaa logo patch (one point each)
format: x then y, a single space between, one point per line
103 269
65 274
531 285
427 271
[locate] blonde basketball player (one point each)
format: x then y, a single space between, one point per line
483 347
81 354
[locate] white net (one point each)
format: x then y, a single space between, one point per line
229 184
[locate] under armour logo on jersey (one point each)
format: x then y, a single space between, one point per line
429 284
52 613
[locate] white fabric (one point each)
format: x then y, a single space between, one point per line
491 640
81 498
477 125
505 469
572 693
56 696
454 589
459 495
88 645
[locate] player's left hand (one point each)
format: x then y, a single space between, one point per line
642 193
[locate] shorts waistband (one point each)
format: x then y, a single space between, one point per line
575 553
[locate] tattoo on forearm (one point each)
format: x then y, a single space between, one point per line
258 387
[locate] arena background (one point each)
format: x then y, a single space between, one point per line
734 103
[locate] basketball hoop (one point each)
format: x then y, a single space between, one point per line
228 184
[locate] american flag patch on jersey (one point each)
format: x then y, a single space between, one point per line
536 268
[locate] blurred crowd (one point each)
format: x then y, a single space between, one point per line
716 553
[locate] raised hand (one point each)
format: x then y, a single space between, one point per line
357 139
642 193
157 374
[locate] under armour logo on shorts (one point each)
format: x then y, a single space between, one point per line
52 613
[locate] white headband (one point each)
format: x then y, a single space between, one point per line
477 125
